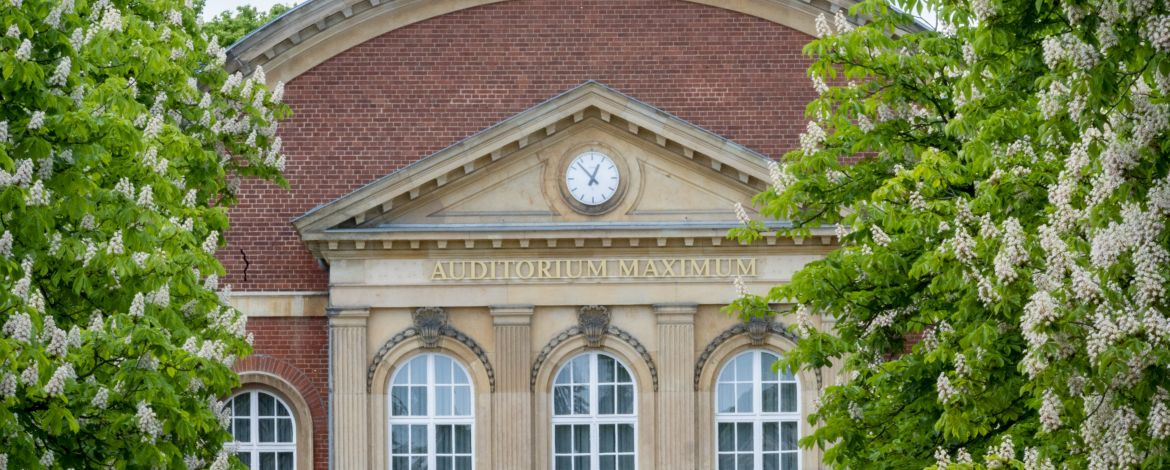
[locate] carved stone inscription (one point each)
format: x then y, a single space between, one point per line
647 268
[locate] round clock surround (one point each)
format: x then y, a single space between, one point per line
593 178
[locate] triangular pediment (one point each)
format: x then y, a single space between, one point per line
509 178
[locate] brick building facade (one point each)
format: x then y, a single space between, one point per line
430 136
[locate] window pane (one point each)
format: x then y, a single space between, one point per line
562 400
770 397
245 458
463 401
243 430
399 463
443 439
625 438
580 399
564 463
605 399
771 437
399 439
267 429
605 369
788 397
743 367
728 373
418 439
562 439
771 461
444 463
442 370
623 374
743 436
401 377
788 460
563 376
725 394
443 400
625 399
461 378
267 404
626 461
581 438
581 462
581 369
608 462
418 401
608 439
463 439
418 370
788 435
284 461
284 430
726 433
727 462
267 461
744 461
767 359
418 463
281 410
462 463
242 404
398 401
766 373
743 398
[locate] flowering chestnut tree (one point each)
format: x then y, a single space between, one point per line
1000 186
120 137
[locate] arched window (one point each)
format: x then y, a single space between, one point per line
431 417
264 431
594 415
757 415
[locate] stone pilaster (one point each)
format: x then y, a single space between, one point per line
512 402
348 407
676 393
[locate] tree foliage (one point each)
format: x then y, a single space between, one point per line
230 26
121 135
1000 190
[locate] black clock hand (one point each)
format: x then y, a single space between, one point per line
593 176
582 167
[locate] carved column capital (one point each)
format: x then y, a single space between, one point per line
348 316
593 320
511 314
429 321
677 313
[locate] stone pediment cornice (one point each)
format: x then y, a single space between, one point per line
316 30
350 217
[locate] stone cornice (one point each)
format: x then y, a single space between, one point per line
319 29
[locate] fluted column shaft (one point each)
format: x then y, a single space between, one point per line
512 402
676 393
349 414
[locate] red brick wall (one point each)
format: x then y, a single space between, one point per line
297 350
413 91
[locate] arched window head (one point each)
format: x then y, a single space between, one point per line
263 430
757 415
594 415
431 418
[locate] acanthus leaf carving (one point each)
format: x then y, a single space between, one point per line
429 321
593 321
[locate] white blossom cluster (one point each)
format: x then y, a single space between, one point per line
148 423
812 138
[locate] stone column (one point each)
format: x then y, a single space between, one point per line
512 402
676 393
348 405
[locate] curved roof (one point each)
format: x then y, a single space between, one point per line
316 30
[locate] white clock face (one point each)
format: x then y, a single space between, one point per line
592 178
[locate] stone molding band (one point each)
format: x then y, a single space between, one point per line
430 340
757 329
610 330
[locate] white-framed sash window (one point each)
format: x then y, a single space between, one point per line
431 417
594 415
757 415
263 430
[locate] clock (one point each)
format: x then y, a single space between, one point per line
592 178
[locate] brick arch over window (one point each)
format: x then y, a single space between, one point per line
264 372
406 94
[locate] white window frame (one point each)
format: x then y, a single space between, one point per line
757 417
255 447
430 420
593 419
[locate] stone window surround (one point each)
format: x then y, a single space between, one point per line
298 407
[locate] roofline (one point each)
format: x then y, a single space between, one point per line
317 30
